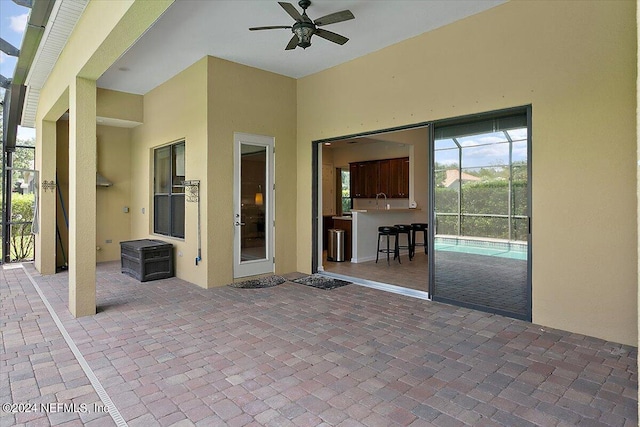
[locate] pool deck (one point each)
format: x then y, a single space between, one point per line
168 353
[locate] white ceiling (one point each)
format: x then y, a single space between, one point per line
191 29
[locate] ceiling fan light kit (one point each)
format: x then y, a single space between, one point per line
304 27
303 32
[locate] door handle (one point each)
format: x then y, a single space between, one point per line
239 223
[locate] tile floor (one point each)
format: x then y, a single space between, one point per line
168 353
412 274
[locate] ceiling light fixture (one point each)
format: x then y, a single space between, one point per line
304 31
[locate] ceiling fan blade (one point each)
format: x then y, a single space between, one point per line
332 18
291 10
292 43
332 37
273 27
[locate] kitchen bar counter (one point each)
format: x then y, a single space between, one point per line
364 229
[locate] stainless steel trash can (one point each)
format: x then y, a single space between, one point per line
335 248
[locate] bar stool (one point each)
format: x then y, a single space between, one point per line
419 226
388 231
405 229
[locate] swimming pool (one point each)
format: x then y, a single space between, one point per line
502 249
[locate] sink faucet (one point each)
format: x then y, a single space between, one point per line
385 199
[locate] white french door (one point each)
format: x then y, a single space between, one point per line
253 217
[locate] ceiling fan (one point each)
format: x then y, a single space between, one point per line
304 27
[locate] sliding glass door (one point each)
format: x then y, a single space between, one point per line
481 204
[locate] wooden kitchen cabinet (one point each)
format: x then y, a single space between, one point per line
372 179
384 170
389 176
399 178
364 179
356 180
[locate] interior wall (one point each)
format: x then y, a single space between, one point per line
328 181
574 62
174 111
419 183
249 100
373 151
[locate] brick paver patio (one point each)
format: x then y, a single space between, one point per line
170 353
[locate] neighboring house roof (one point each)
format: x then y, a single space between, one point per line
452 177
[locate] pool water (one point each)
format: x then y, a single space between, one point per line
496 249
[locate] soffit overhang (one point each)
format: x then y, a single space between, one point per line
62 20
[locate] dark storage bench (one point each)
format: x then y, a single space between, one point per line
147 259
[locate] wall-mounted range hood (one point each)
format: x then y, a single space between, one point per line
101 181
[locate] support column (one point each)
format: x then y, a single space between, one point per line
82 197
45 239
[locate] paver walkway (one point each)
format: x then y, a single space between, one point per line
38 371
170 353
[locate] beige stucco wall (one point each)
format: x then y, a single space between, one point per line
248 100
105 31
121 106
111 222
574 62
173 111
638 158
210 101
113 162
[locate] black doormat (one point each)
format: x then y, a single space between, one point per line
263 282
321 282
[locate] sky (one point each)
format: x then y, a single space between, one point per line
483 150
13 21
